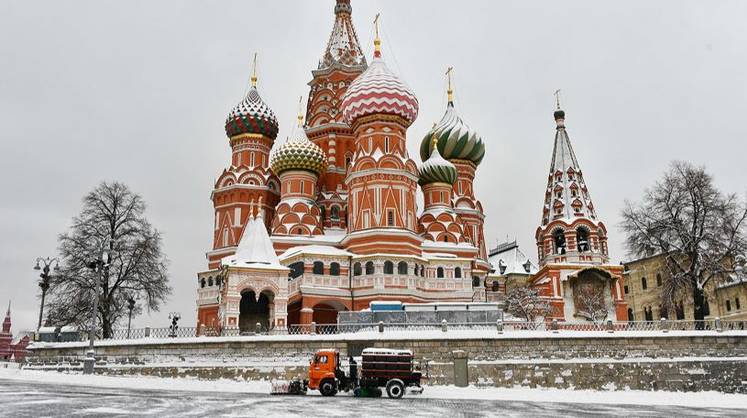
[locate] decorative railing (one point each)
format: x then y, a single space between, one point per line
653 327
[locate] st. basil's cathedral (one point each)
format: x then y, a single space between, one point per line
328 220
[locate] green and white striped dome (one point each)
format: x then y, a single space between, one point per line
437 170
456 140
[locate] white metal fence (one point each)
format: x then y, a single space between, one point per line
661 326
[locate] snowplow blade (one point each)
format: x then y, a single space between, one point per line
288 387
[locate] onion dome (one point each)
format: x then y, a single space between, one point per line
377 90
299 153
436 169
456 140
252 115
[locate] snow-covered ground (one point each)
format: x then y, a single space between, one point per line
613 397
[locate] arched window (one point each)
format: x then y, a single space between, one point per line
296 269
369 267
658 280
386 144
644 284
458 272
334 213
218 281
357 271
582 239
202 283
334 269
416 269
210 281
630 315
559 239
322 212
475 281
440 272
422 270
388 267
402 268
318 267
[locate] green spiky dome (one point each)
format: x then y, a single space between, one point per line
456 140
437 170
299 154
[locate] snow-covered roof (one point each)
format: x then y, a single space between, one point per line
507 258
314 249
255 249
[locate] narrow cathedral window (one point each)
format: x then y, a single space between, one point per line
644 284
334 213
390 217
388 267
210 281
458 273
658 280
582 240
559 239
386 144
334 269
357 271
402 268
370 267
202 283
318 267
440 273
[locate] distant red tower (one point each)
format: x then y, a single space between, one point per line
8 349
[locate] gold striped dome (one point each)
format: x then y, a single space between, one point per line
299 153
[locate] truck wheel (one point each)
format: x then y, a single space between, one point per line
395 388
327 388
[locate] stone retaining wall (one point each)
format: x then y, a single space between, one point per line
609 361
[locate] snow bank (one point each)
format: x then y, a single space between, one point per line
624 397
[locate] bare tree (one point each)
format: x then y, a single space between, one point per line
591 303
699 231
111 222
526 303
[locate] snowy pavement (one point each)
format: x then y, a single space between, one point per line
33 394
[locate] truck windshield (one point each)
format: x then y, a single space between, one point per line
320 359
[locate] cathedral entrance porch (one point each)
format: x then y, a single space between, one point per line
255 310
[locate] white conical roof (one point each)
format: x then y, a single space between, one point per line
255 248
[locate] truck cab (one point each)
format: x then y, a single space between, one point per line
324 371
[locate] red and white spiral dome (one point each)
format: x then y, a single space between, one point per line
379 91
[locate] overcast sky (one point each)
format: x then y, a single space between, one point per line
138 91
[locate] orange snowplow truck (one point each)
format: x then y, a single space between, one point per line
380 368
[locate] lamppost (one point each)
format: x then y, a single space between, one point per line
44 282
130 307
174 317
97 266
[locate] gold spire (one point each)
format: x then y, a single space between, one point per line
434 138
254 71
557 99
449 91
377 41
300 114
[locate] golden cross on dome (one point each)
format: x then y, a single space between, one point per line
377 41
449 91
254 71
557 98
300 115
